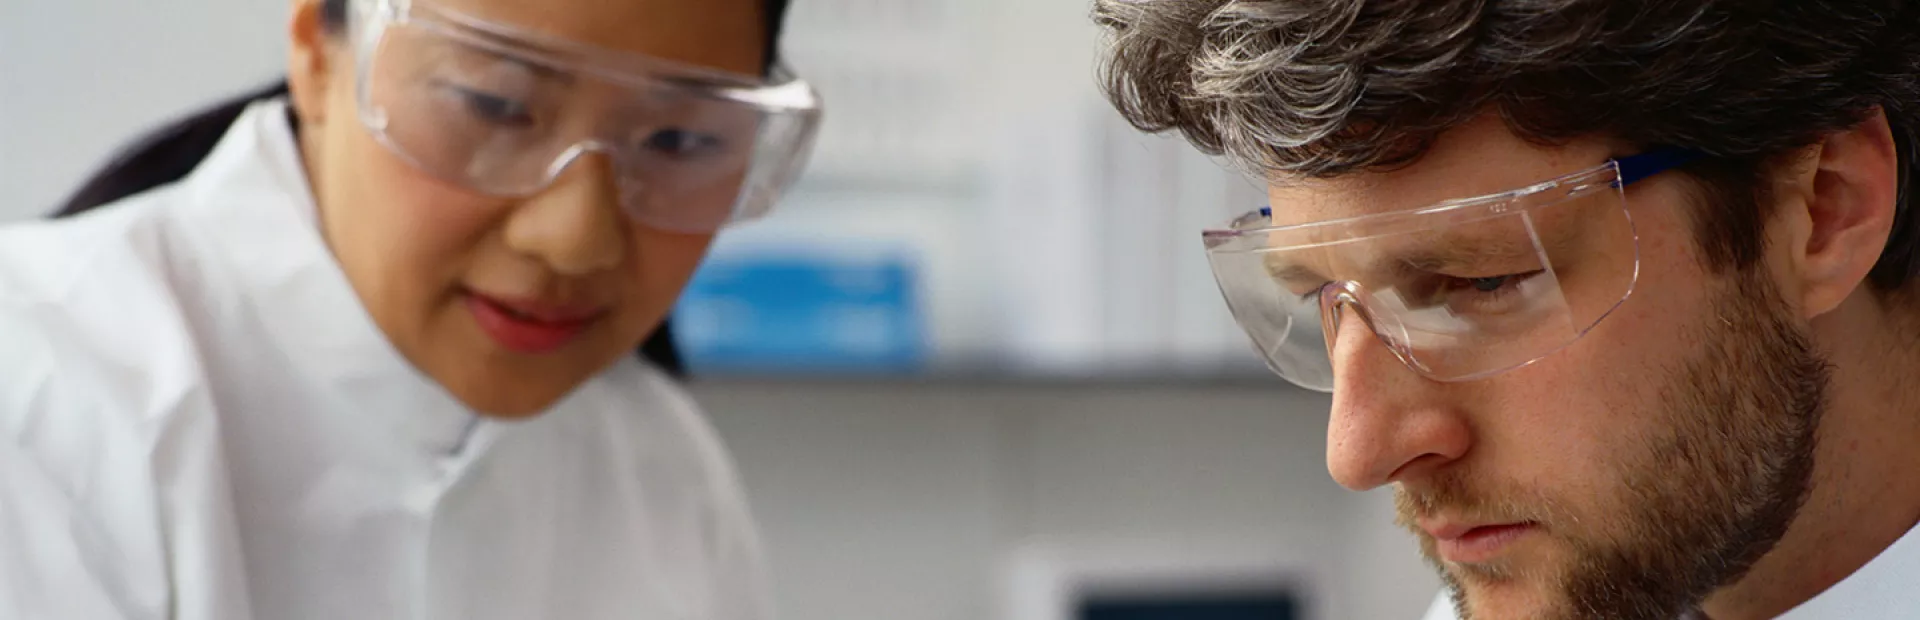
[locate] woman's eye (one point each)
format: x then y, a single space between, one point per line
682 143
1312 296
496 109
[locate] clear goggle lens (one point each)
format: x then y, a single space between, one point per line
1457 291
503 113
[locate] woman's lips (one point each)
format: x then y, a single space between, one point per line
1475 544
529 327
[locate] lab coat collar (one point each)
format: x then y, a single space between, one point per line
251 201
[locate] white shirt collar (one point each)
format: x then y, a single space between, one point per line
1884 589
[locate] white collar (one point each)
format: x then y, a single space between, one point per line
1884 589
251 202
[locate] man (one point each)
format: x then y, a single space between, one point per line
1622 297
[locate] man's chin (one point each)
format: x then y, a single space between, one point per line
1480 597
1527 583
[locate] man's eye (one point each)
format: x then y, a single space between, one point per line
1487 294
1491 285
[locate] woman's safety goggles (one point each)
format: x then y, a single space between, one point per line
1458 291
503 112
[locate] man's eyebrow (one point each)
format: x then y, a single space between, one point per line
1454 255
1467 250
1448 254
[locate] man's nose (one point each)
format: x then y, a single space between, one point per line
1388 422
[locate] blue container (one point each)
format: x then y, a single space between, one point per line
802 312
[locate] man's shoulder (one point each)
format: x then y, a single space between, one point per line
1441 609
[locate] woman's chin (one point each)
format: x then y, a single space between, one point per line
498 382
510 400
512 388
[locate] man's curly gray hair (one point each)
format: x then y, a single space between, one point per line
1327 87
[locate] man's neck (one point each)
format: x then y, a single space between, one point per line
1864 496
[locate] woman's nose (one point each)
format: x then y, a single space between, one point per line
574 226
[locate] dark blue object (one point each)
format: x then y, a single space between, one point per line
1262 606
1634 168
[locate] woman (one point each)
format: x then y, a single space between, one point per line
371 358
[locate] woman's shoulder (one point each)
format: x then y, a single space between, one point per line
52 567
94 348
47 259
95 426
101 283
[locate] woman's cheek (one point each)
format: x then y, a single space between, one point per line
413 235
664 262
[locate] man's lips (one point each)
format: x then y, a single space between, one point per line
1472 543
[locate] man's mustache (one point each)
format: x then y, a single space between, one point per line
1451 495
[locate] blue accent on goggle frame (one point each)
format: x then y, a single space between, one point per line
1635 168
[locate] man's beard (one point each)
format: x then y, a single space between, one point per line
1699 500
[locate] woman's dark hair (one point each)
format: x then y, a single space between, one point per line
167 155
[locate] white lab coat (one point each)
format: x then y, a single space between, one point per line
1881 590
198 421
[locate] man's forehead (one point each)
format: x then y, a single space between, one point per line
1477 159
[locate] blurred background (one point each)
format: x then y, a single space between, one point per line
975 368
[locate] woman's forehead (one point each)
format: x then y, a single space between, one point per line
725 35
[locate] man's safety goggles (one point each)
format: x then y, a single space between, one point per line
503 112
1458 291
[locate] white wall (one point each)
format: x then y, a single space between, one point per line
80 78
914 501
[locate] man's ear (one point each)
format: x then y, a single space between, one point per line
1839 223
309 68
